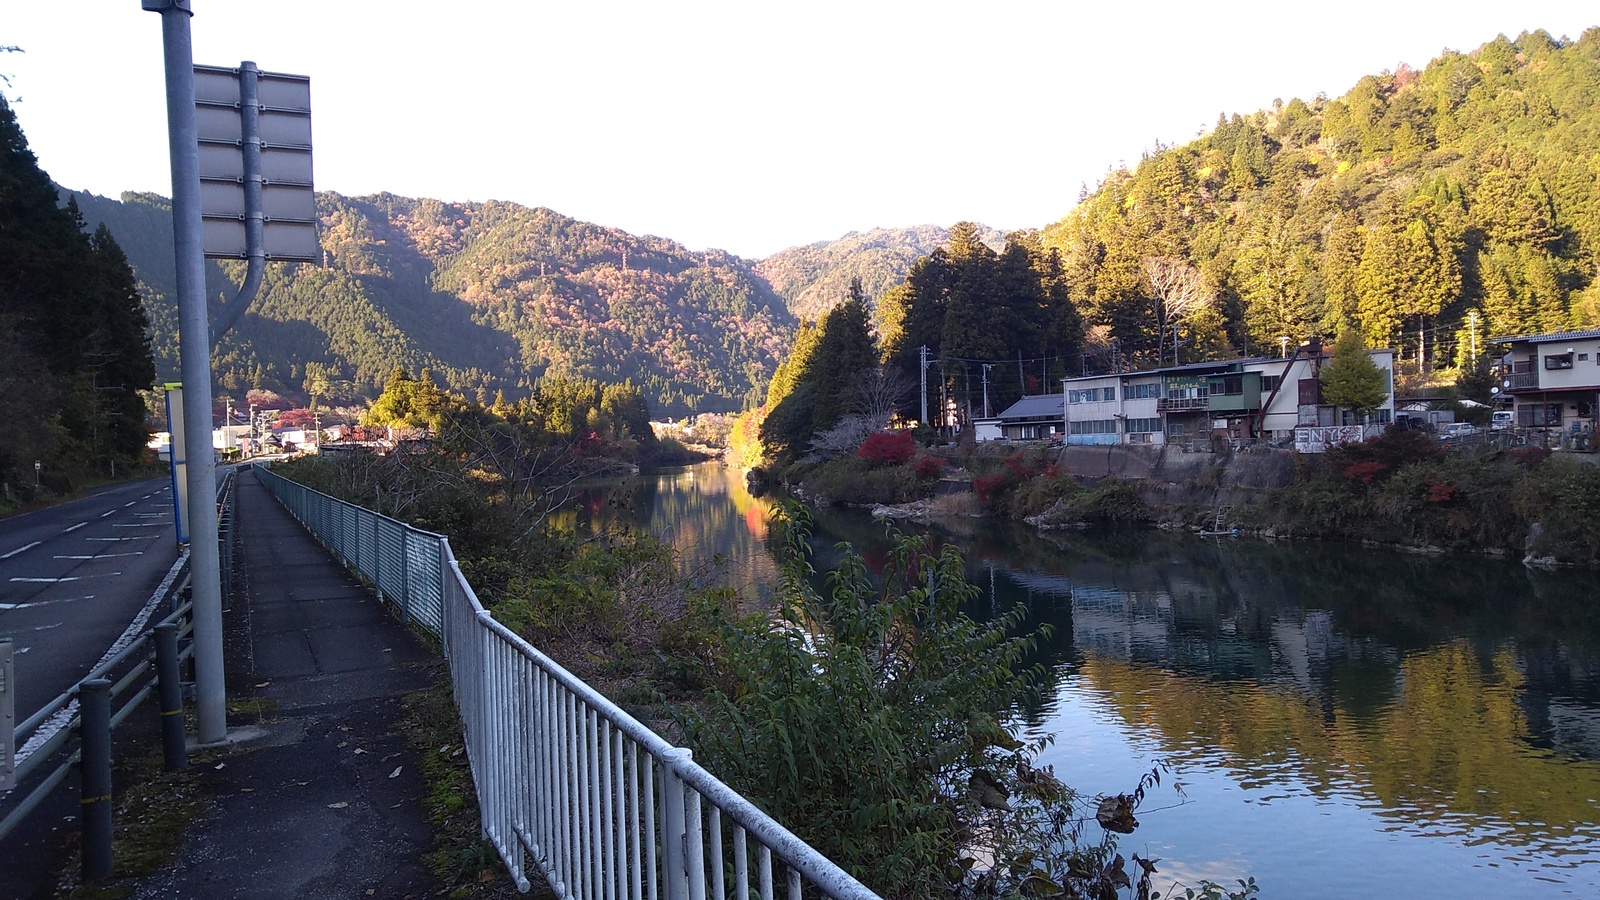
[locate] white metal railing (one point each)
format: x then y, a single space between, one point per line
606 808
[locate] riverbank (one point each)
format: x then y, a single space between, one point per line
1401 491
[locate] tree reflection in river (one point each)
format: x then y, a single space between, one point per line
1350 722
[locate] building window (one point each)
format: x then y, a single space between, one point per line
1188 393
1558 361
1269 383
1095 426
1092 395
1144 426
1229 385
1583 357
1146 391
1175 429
1539 415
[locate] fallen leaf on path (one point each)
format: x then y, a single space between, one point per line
396 772
340 805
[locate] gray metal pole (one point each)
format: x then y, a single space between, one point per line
8 716
174 743
254 238
194 344
94 766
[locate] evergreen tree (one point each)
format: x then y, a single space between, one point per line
1351 380
73 327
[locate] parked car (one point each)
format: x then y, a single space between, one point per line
1457 430
1503 420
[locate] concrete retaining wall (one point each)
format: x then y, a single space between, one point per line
1173 476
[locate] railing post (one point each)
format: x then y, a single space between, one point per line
94 702
174 742
8 717
673 830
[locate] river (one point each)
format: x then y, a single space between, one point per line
1339 722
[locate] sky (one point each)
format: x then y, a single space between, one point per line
746 126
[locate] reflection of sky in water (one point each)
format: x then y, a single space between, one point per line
1343 723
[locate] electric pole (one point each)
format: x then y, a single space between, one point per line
923 351
1472 324
986 368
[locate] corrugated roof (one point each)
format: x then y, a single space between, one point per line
1035 406
1550 338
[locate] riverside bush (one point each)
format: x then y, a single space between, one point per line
868 716
852 479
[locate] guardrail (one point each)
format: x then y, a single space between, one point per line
602 805
89 710
149 662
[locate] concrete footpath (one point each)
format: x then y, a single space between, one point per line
320 796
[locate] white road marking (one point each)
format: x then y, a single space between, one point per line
107 513
139 525
23 649
148 515
20 549
105 555
137 537
129 503
44 602
66 578
75 527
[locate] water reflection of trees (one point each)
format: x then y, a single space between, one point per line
1455 695
1452 695
704 512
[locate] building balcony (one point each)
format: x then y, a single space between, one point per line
1184 404
1523 381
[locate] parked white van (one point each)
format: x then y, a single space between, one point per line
1503 420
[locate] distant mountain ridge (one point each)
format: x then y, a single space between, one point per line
488 296
491 296
815 278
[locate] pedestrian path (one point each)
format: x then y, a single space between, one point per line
322 796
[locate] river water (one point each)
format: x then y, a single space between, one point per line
1338 722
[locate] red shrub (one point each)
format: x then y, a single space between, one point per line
1363 471
928 466
888 448
1442 491
986 486
1528 457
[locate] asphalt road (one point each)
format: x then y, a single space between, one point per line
72 578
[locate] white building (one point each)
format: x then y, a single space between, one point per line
1275 400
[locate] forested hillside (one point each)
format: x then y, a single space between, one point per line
1403 207
488 296
815 278
73 350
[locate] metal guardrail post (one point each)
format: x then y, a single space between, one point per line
673 829
174 742
94 699
8 717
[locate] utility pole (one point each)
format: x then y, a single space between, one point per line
194 342
1283 342
1472 323
986 368
923 351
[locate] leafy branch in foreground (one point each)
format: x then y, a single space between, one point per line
871 718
